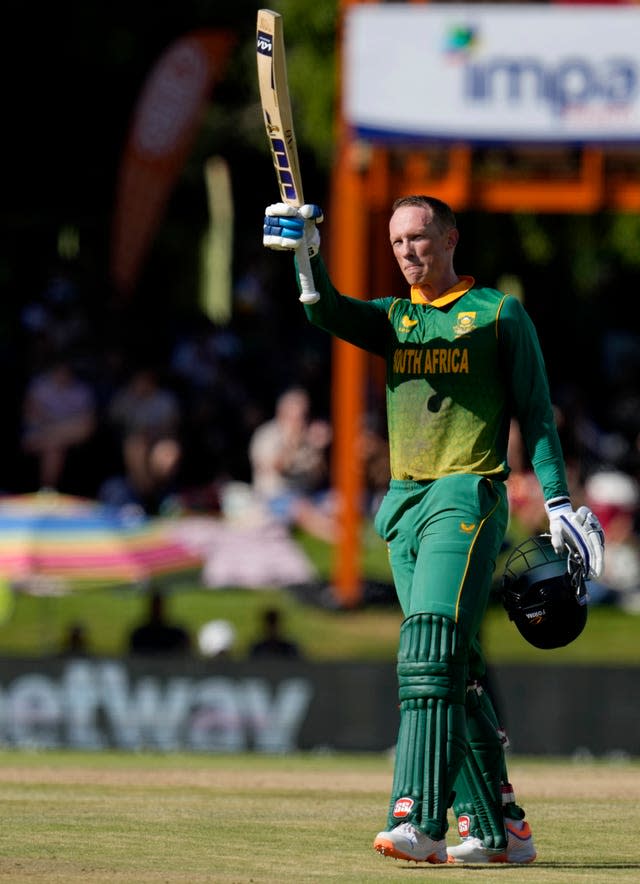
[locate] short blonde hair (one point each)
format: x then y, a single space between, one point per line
442 213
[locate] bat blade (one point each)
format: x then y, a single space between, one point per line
278 121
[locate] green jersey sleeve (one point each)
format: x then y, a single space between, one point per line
362 323
530 398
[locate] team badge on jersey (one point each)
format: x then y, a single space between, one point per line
406 324
466 322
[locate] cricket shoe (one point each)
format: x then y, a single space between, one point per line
407 842
520 848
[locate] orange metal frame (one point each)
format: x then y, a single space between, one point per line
366 179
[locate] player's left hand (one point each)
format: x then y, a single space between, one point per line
581 531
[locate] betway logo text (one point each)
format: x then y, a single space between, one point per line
94 705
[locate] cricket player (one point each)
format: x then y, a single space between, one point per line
461 360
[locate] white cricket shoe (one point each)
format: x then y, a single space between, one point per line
407 842
520 848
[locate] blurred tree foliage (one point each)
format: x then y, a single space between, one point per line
75 80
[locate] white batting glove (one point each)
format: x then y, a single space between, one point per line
313 215
284 227
580 531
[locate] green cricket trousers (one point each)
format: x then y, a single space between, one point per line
443 538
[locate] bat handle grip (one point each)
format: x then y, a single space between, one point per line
309 295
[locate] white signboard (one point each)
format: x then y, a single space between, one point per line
493 73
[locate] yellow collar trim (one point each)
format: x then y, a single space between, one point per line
463 285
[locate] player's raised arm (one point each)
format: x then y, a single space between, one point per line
278 121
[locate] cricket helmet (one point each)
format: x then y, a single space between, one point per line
545 593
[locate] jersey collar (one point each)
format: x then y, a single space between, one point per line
452 294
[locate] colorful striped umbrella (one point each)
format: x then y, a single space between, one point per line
53 543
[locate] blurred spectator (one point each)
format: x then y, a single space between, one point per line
56 321
615 499
526 502
75 642
157 635
200 352
290 466
590 442
374 450
272 642
147 419
58 418
205 363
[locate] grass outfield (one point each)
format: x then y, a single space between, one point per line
251 818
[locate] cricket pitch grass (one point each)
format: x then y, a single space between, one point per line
118 818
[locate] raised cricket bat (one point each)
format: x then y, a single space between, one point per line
278 120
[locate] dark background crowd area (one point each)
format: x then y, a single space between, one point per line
225 379
75 80
76 77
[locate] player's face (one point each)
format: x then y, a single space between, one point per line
423 250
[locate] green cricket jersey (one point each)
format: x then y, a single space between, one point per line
458 368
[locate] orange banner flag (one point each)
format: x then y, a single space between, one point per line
165 122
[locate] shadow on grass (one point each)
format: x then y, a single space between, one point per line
496 868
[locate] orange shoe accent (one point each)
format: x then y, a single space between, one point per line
522 834
387 848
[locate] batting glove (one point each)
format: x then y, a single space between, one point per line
284 227
313 216
580 531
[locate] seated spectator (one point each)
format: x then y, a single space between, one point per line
146 417
58 419
157 635
290 466
272 642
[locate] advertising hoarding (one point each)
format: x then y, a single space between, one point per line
283 706
493 73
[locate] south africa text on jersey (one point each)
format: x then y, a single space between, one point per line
431 360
